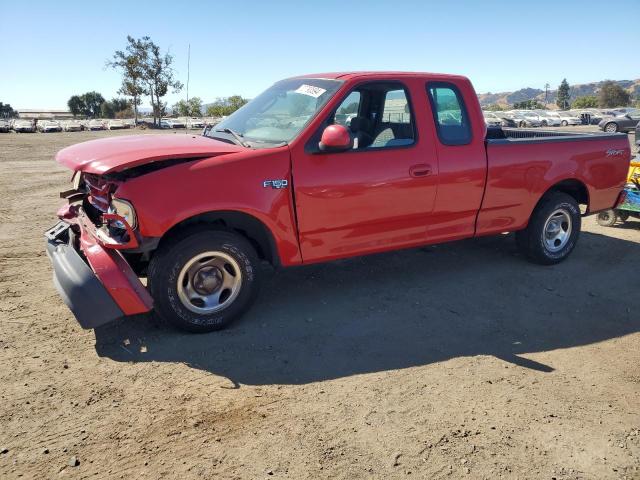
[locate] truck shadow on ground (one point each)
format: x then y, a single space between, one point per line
405 309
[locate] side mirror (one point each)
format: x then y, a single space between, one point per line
335 138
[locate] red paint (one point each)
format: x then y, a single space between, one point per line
334 137
354 202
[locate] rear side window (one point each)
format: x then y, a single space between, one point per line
449 114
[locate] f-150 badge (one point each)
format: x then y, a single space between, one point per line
275 183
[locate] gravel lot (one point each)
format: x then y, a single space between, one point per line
454 361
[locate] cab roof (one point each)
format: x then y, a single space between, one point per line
380 74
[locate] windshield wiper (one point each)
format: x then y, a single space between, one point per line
236 135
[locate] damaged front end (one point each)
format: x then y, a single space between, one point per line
90 272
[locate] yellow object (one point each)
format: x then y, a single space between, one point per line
634 170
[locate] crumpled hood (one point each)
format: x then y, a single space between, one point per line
115 154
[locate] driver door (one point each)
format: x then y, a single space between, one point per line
377 195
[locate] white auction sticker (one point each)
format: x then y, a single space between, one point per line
310 90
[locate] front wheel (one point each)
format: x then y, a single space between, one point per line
564 123
608 218
204 280
553 229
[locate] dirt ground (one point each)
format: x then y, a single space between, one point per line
454 361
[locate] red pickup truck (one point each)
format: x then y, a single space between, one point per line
316 168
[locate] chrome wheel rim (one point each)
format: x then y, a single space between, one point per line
557 230
209 282
611 128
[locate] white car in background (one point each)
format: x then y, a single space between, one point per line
72 126
548 119
95 124
46 126
23 126
5 126
172 123
195 123
569 118
115 124
491 119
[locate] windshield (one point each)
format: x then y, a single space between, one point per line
280 113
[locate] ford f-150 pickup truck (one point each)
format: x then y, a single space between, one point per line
316 168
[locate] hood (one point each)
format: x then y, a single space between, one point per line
109 155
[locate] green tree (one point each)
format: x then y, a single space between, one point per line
76 105
225 106
116 108
92 104
586 101
195 107
192 108
159 76
528 105
130 63
6 111
562 99
612 95
496 107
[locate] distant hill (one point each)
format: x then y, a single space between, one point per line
577 90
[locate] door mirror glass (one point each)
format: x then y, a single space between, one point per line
335 138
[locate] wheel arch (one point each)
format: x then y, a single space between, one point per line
573 187
247 225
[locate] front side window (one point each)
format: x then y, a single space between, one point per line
278 114
378 115
450 114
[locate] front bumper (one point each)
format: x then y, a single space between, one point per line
95 281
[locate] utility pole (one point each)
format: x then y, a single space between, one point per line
546 94
188 65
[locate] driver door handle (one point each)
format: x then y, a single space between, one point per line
420 170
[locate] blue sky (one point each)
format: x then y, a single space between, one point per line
54 49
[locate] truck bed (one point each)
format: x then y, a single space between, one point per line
500 135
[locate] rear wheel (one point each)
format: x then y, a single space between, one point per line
204 280
553 229
611 127
564 123
522 124
608 218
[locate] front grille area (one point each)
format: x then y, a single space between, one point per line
98 192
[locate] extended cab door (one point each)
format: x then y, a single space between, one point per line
461 130
377 195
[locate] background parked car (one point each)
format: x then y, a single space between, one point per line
172 123
23 126
621 123
548 119
638 134
195 123
4 126
115 124
491 119
507 121
95 124
522 120
72 126
568 118
45 126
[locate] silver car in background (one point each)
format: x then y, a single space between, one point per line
23 126
491 119
95 124
195 123
115 124
46 126
72 126
548 119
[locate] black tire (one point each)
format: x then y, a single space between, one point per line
611 127
169 261
607 218
531 240
522 125
564 123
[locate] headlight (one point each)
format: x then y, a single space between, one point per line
125 210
